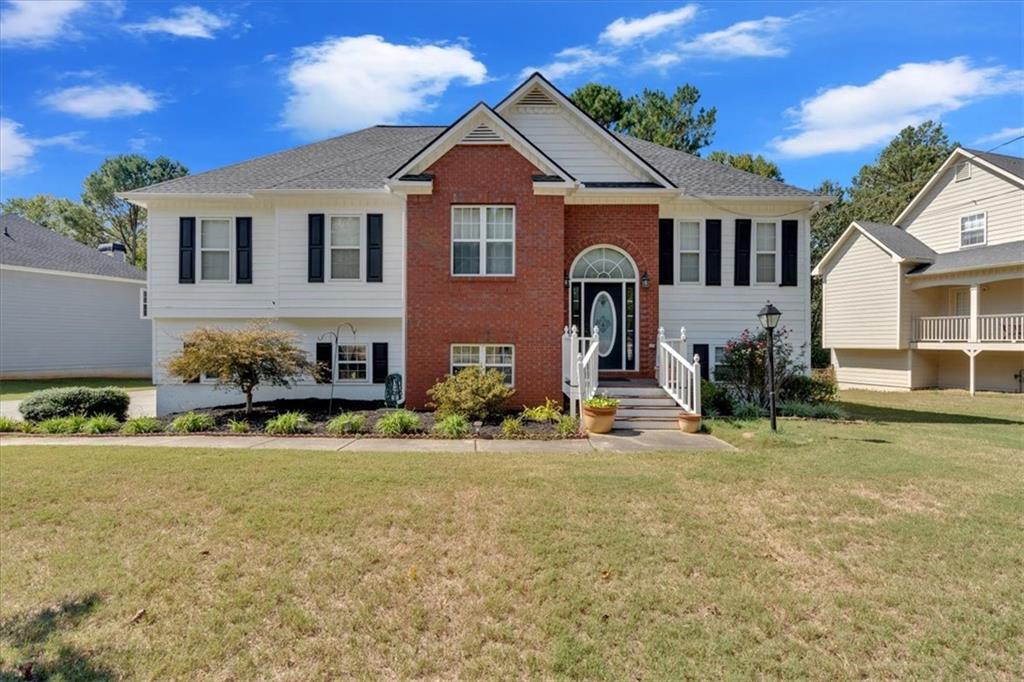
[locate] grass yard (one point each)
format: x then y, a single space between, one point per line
888 548
18 389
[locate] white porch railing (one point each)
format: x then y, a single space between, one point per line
943 328
1009 327
676 375
579 368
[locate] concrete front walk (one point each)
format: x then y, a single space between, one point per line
142 404
621 442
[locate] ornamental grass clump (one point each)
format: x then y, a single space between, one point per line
192 422
8 425
453 426
140 425
287 424
61 425
238 426
101 423
512 427
550 411
568 426
398 423
347 423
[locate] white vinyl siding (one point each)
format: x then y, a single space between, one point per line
861 298
488 356
874 369
345 238
215 249
765 252
972 230
483 240
689 251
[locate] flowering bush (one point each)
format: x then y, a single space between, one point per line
744 367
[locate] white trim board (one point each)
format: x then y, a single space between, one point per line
65 273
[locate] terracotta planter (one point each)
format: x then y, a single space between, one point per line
689 423
598 419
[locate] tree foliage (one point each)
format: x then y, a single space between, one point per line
758 165
61 215
241 359
603 103
744 366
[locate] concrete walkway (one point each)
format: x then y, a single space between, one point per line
616 442
142 404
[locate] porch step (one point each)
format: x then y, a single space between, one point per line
647 410
630 391
663 401
622 422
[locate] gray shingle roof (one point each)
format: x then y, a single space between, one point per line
365 158
1011 164
898 241
996 255
25 244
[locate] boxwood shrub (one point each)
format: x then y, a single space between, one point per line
51 403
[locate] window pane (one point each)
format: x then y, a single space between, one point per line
500 223
465 355
689 236
466 258
352 352
349 371
507 371
345 231
689 267
344 263
972 229
465 223
215 234
215 265
499 258
766 236
498 355
766 267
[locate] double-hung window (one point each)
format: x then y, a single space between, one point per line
972 229
346 247
765 253
483 240
718 371
215 249
353 360
486 356
689 251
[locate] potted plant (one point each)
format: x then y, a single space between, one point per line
599 413
689 423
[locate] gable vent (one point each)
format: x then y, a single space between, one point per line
536 98
963 171
482 134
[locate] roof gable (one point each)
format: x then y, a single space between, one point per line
900 246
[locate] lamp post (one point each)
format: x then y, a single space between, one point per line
769 319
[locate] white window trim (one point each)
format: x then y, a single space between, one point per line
369 363
714 361
984 229
230 250
700 250
754 252
331 247
956 171
482 357
482 241
143 303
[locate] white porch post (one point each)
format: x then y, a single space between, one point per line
972 354
972 334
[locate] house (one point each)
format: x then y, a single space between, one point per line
937 298
67 310
431 248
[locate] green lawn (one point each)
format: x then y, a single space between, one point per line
17 389
887 548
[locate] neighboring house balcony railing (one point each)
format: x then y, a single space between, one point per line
1008 328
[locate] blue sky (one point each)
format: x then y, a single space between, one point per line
817 87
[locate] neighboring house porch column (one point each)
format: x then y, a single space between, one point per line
972 333
972 354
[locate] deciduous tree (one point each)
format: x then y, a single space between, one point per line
61 215
758 165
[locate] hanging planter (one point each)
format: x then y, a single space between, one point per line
599 414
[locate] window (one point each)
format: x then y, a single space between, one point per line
215 249
144 304
960 302
963 171
764 263
689 251
353 360
346 247
499 357
483 240
717 370
972 229
602 262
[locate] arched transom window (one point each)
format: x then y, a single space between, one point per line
603 263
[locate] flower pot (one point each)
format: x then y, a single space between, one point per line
598 419
689 423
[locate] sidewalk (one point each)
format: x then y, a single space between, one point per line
622 442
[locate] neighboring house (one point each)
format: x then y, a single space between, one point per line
474 244
67 310
937 299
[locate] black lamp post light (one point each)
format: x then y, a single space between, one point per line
769 319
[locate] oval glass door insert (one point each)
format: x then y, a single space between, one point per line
603 316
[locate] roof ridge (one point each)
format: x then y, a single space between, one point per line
983 153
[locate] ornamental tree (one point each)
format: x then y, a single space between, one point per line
241 359
744 367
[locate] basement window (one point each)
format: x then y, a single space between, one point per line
487 356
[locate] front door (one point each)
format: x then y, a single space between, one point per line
603 308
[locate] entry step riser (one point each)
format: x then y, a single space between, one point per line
665 412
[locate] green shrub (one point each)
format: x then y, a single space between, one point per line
744 365
472 392
748 411
238 426
137 425
568 426
347 422
287 423
601 402
72 400
453 426
72 424
820 387
8 425
715 400
512 427
101 423
810 411
398 422
550 411
191 422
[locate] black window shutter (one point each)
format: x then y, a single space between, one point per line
701 349
713 253
324 359
316 247
666 251
374 248
789 253
380 362
741 274
243 250
186 250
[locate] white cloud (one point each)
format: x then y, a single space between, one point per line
755 38
1001 136
570 61
624 31
102 101
34 24
355 81
17 149
662 60
851 117
186 21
